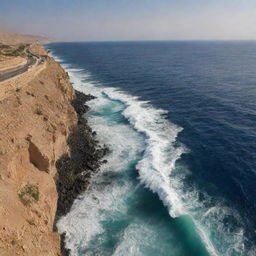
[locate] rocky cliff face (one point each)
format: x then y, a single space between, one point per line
35 122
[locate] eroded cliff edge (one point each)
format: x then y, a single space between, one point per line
41 122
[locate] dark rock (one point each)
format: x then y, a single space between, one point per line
74 170
64 251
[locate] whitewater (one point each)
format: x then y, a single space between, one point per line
139 138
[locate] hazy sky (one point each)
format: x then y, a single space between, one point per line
91 20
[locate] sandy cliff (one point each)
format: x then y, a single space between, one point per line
36 118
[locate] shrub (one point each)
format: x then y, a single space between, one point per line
29 194
38 112
31 222
45 118
18 51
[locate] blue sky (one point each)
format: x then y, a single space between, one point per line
90 20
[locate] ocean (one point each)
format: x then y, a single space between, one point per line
179 118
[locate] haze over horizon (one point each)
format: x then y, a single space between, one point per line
107 20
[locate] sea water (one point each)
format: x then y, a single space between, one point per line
179 119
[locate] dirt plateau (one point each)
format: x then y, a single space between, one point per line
42 136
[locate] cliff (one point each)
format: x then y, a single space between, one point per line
36 118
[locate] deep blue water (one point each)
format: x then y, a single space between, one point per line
182 174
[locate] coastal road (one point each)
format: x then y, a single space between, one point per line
32 59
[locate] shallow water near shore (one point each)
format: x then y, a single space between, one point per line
178 119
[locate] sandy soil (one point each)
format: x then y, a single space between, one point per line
11 62
35 120
9 37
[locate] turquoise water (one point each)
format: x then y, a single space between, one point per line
128 219
179 120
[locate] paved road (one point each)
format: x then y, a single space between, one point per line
32 60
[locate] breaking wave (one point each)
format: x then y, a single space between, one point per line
149 140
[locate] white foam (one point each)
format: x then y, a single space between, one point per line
210 221
55 57
160 154
155 172
84 219
83 222
159 157
134 238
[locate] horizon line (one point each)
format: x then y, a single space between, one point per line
154 40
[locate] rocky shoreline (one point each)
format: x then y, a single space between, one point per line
75 169
48 153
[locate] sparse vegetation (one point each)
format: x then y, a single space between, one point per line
45 118
15 51
29 194
31 222
13 242
38 111
30 93
4 48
